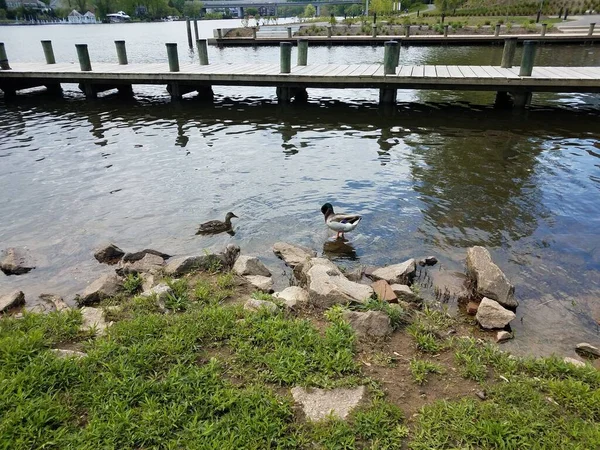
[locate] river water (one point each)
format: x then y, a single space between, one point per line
443 173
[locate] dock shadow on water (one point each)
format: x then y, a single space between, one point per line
431 178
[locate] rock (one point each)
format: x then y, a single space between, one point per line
355 275
369 323
261 283
16 261
136 256
182 265
587 349
58 302
229 256
431 261
250 265
45 306
12 300
503 336
384 291
396 273
489 279
472 308
161 292
481 395
93 319
256 305
151 264
63 353
292 296
491 314
293 255
574 361
450 286
109 254
327 285
319 404
106 286
405 293
148 281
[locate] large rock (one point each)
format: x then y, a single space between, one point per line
57 301
492 314
182 265
490 281
150 264
256 305
588 349
12 300
369 323
16 261
136 256
405 293
250 265
319 404
292 296
104 287
327 285
384 291
397 273
109 254
161 292
44 306
293 255
93 319
261 283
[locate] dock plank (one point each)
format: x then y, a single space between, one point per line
429 71
442 71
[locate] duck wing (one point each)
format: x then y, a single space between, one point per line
345 218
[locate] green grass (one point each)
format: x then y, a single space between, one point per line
420 368
132 283
427 329
398 317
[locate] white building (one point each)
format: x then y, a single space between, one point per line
77 17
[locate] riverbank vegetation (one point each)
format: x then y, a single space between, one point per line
210 374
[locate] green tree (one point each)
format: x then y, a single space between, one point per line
104 7
192 8
354 10
2 14
310 11
3 5
380 6
252 11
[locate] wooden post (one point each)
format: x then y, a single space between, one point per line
407 31
84 57
173 57
202 46
510 45
497 31
121 52
196 28
446 30
3 58
329 31
48 52
302 52
528 58
219 33
289 32
253 32
285 57
389 61
374 30
544 29
189 32
591 30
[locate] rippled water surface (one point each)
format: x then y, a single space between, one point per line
444 172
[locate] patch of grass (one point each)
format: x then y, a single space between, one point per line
398 317
178 300
258 295
428 327
132 283
226 280
421 368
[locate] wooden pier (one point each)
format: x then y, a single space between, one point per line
514 85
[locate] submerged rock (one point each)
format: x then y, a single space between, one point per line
319 404
405 293
293 255
109 254
256 305
397 273
489 279
491 314
16 261
369 323
250 265
106 286
12 300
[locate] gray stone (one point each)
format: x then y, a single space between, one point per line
150 264
12 300
489 279
250 265
369 323
502 336
16 261
588 349
574 361
405 293
182 265
293 255
57 301
63 353
396 273
148 281
44 306
256 305
106 286
109 254
319 404
93 319
136 256
492 314
292 297
161 292
327 285
261 283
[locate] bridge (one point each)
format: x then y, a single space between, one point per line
241 4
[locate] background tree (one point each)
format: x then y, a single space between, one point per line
310 11
252 11
104 7
192 8
354 10
380 6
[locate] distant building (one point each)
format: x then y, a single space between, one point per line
77 17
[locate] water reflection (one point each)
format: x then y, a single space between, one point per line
340 248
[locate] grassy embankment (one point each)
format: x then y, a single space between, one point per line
210 375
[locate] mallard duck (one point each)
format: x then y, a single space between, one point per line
340 223
216 226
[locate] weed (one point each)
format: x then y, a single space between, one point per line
421 368
258 295
398 317
132 283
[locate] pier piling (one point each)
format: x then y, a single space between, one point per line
48 52
84 57
591 29
289 32
544 29
219 33
189 32
253 32
202 46
302 52
285 57
121 52
374 34
407 31
3 58
329 31
173 57
196 28
390 62
510 45
497 30
528 58
445 30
